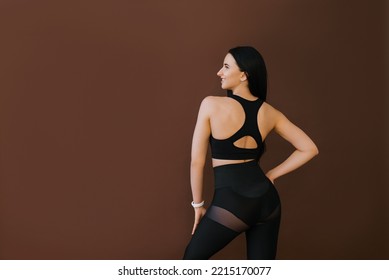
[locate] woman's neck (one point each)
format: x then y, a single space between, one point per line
244 93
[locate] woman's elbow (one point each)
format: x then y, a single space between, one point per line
197 163
311 151
314 150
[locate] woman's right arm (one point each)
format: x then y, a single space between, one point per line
200 142
305 147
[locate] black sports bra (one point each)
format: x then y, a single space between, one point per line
225 148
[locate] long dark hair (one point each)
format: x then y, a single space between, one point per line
250 61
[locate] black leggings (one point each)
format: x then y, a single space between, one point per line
245 200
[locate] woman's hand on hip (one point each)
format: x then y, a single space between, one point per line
270 177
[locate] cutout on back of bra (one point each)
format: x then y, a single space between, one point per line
246 142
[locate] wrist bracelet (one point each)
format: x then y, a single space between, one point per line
197 205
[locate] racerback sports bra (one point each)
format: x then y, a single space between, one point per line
225 148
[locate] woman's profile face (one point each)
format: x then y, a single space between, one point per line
230 74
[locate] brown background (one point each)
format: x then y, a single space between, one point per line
99 101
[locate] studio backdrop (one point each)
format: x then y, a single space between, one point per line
98 102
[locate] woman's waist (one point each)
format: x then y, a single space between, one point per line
248 172
221 162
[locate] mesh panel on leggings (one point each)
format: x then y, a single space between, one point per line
226 218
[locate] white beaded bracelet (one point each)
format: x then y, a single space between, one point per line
197 205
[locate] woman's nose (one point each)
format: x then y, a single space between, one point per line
219 73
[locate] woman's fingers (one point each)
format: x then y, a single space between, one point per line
194 227
199 213
196 222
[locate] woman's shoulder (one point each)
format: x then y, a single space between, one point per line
271 113
269 108
212 101
208 105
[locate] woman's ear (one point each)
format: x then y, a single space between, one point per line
243 77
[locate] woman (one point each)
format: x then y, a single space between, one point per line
245 199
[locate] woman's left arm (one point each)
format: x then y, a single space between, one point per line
200 140
305 147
